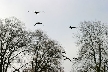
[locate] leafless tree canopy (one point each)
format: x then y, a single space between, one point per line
93 44
47 53
14 38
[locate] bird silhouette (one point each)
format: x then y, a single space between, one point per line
64 52
63 56
38 23
36 12
67 58
72 27
75 58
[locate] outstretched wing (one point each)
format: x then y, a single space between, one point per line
73 27
38 23
35 24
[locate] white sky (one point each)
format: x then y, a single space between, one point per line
58 16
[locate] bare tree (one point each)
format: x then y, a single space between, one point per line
93 43
47 53
13 37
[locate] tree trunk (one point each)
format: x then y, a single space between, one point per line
0 67
1 58
99 58
104 68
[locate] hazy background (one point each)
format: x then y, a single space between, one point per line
58 16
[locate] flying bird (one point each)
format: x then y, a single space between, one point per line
64 52
72 27
36 12
38 23
63 56
67 58
75 58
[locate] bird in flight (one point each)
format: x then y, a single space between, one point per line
64 52
72 27
36 12
67 58
38 23
75 58
63 56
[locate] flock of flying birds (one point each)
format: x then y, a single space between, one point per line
36 12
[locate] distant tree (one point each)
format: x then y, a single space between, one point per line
93 44
47 53
13 37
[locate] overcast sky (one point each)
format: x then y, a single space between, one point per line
58 16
